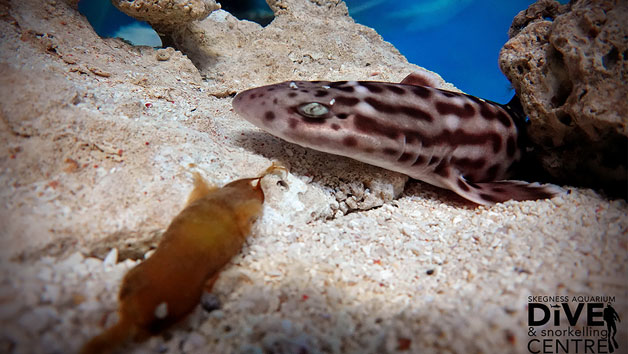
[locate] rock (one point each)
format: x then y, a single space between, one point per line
210 302
542 9
220 42
111 258
569 64
167 13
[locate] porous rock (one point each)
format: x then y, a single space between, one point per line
569 64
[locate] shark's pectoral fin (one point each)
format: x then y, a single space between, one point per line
489 193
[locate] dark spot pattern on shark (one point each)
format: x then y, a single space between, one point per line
449 139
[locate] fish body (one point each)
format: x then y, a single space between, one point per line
199 242
448 139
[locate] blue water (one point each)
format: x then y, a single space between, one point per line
458 39
108 21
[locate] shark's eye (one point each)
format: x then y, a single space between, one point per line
313 110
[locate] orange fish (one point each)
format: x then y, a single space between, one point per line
199 242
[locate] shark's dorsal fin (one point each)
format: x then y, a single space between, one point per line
418 78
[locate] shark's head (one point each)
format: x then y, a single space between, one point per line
316 114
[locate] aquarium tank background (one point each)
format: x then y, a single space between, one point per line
458 39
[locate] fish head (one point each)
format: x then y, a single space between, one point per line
314 114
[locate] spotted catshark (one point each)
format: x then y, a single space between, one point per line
448 139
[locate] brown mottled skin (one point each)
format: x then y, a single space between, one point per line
448 139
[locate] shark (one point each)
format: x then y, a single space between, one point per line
449 139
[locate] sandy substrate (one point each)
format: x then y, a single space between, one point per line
98 143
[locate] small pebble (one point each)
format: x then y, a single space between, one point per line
99 72
161 311
163 54
51 293
72 262
193 341
210 302
111 259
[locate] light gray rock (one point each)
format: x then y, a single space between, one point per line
167 13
